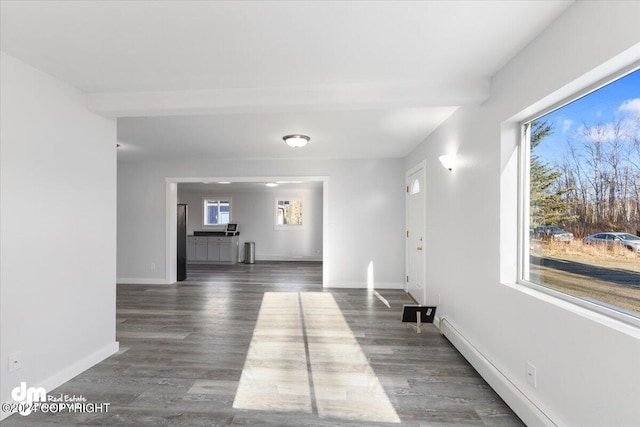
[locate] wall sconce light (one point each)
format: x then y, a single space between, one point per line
448 161
296 141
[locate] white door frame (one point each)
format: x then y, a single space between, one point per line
420 165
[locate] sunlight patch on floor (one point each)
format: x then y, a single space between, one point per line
304 357
275 375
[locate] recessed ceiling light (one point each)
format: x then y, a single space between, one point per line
296 141
271 184
224 182
289 182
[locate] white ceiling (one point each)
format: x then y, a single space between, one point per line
363 79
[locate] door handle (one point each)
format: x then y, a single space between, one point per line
419 248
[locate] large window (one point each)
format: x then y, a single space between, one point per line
581 197
216 211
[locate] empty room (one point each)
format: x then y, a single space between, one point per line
320 213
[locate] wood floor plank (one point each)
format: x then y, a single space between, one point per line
313 357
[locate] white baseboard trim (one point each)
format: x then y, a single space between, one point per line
266 257
71 371
125 281
362 285
527 410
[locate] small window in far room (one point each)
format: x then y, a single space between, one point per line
580 199
288 213
216 211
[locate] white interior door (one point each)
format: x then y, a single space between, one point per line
415 222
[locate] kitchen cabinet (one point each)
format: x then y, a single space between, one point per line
196 248
228 252
212 249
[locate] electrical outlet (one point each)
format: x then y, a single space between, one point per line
14 361
531 374
153 265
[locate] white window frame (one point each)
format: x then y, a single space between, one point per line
204 211
524 158
288 227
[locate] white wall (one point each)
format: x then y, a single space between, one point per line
365 214
254 212
58 221
588 366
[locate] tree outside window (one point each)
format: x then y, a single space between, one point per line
581 203
288 213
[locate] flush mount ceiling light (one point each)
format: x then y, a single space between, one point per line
271 184
296 141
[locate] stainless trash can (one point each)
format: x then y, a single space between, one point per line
249 252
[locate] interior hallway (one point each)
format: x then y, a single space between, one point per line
264 344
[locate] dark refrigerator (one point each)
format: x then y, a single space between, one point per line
182 242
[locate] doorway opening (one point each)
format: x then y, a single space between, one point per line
252 205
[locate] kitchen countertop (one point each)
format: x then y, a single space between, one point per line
211 233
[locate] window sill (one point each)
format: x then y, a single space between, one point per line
624 322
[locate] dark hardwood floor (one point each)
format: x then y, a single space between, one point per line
265 345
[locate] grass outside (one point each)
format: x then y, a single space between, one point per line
607 274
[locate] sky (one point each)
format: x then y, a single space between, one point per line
619 100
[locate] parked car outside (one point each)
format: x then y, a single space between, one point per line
627 240
552 232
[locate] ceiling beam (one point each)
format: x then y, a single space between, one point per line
291 99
